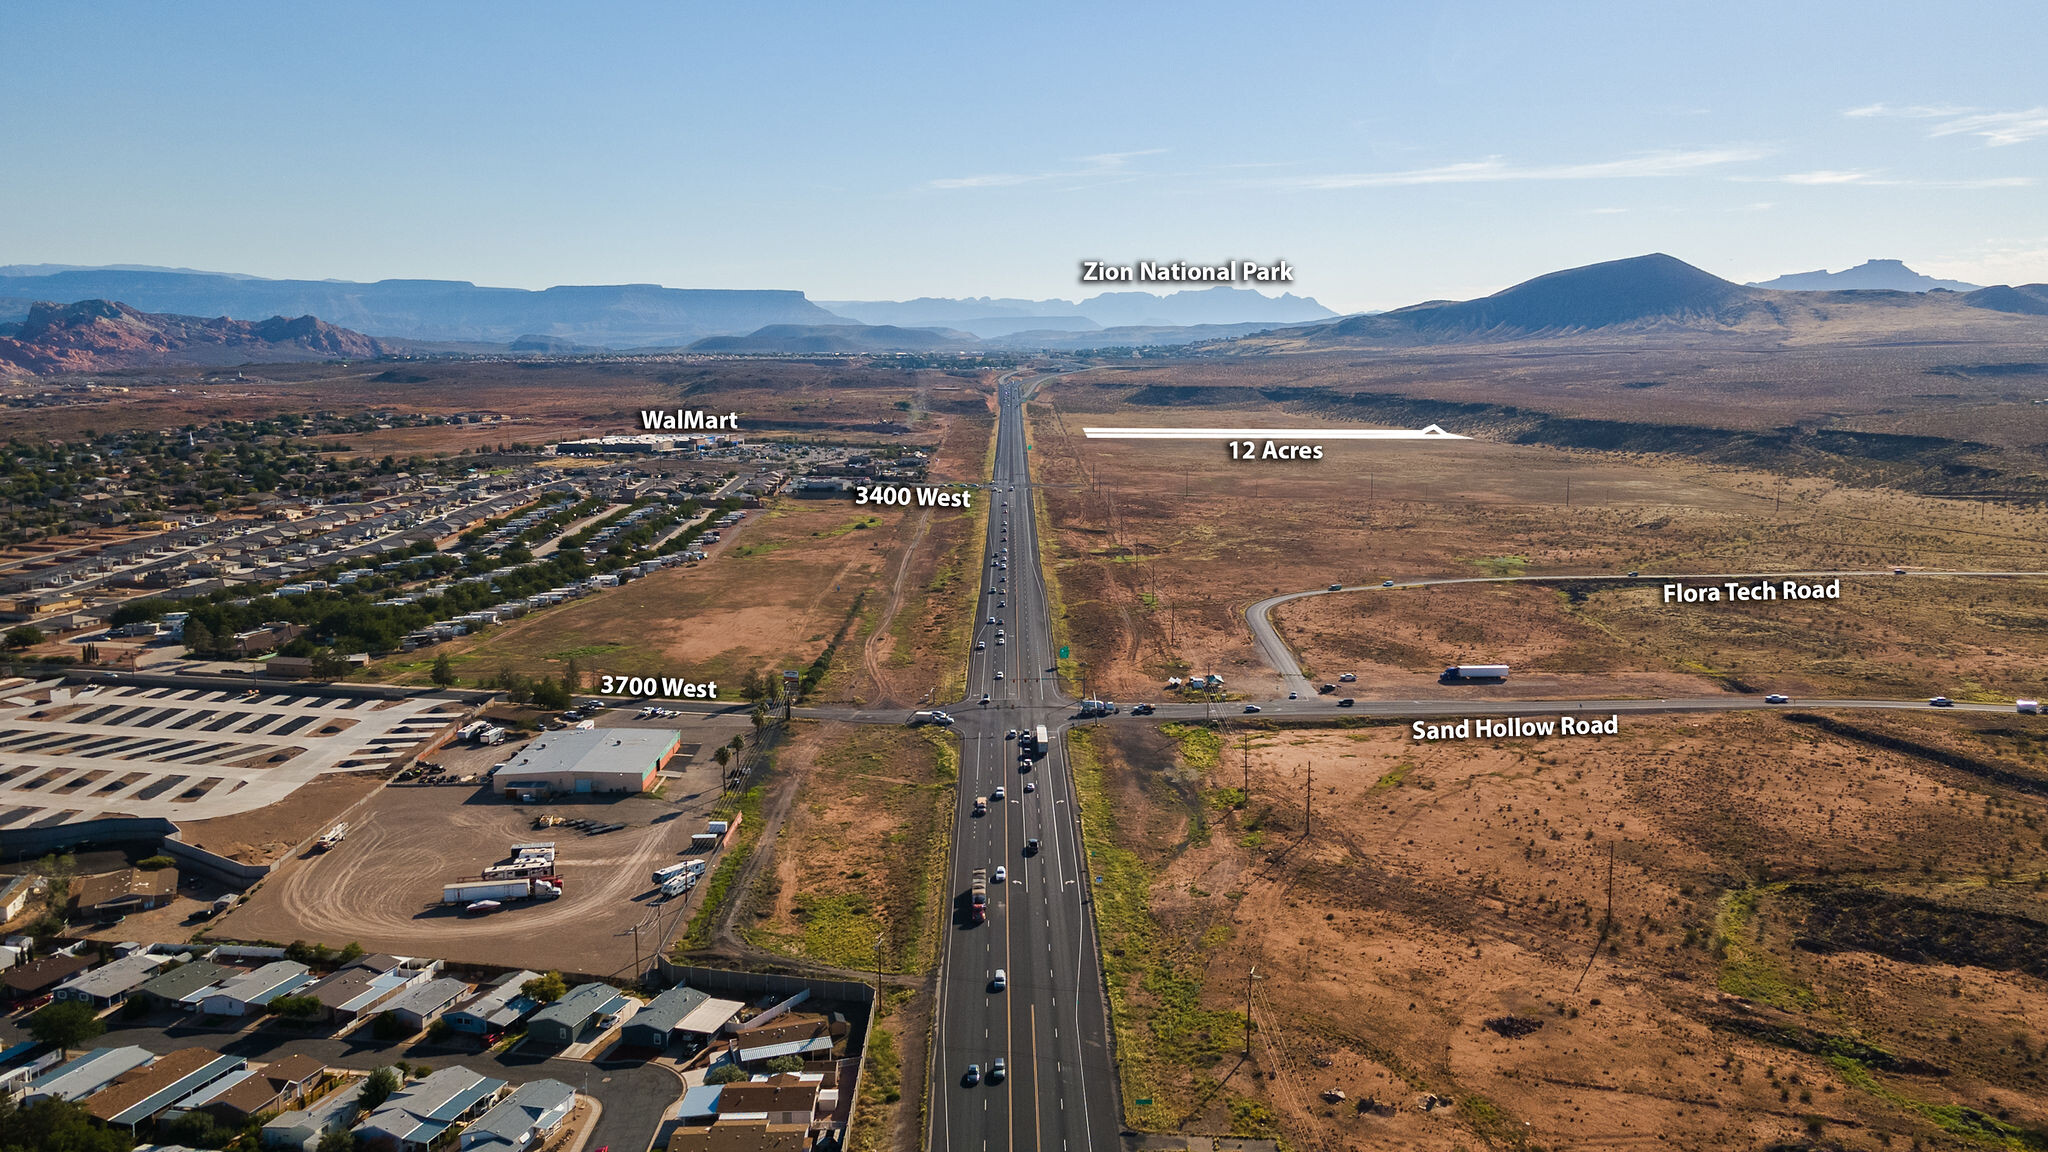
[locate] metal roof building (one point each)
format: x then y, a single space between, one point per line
419 1113
138 1097
253 992
496 1008
87 1074
528 1116
110 983
588 760
558 1023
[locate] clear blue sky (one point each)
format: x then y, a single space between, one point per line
1391 152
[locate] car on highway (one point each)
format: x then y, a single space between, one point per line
1031 846
991 619
1000 641
1142 710
1775 698
972 1076
1336 587
1002 874
1001 981
1942 702
1010 735
1294 695
981 645
1002 603
997 1070
1386 583
1031 785
1345 702
1252 708
1633 574
997 794
984 699
999 673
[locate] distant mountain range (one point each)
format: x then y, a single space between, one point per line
1884 275
610 315
987 316
99 335
1661 294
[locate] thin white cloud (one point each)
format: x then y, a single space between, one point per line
1495 170
1998 129
1863 178
1090 167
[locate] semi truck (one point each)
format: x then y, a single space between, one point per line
934 716
977 895
981 805
1476 672
2031 707
1090 708
523 888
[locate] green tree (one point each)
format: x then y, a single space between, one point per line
337 1140
329 665
26 636
545 989
296 1007
377 1088
725 1074
572 676
548 694
790 1063
351 952
65 1023
443 673
55 1126
198 637
723 756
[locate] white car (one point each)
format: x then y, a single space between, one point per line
980 645
1031 785
1774 698
1002 874
991 619
999 674
997 794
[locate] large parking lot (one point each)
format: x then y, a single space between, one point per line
77 753
381 886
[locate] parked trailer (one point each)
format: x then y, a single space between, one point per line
520 868
523 888
1476 672
678 884
334 835
2028 706
664 875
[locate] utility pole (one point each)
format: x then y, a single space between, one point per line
1249 976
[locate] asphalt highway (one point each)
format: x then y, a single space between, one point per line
1051 1025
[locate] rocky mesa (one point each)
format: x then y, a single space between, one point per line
102 335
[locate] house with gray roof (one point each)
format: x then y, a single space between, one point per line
172 988
533 1112
112 982
87 1074
653 1024
418 1114
559 1023
250 994
499 1006
420 1006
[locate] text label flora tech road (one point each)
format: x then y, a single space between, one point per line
1733 592
1511 727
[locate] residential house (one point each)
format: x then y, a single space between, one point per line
250 994
112 982
560 1023
140 1096
495 1008
418 1114
420 1006
119 893
87 1074
40 977
533 1112
172 987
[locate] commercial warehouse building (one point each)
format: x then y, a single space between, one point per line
588 760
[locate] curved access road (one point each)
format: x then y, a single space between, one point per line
1281 658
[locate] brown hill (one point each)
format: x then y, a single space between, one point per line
100 335
1657 298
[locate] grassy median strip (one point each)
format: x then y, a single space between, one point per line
1155 980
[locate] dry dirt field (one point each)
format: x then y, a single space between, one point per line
1887 636
862 853
1820 934
789 581
1161 545
382 885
